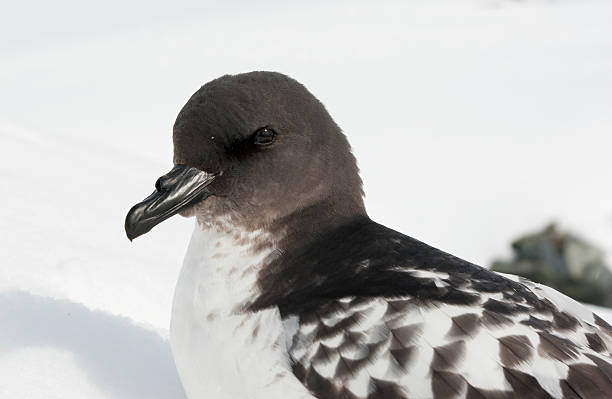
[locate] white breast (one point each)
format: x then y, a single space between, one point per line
220 350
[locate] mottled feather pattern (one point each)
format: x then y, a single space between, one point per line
406 347
289 289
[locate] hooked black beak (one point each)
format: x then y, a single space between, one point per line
181 187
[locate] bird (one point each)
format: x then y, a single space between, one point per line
289 290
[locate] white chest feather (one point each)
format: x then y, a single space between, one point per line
222 351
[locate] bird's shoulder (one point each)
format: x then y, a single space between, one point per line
398 318
366 259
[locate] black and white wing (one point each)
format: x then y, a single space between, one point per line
406 347
372 313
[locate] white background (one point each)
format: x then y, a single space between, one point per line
473 122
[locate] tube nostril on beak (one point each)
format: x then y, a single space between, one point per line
181 187
159 185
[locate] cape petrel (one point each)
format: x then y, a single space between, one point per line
290 290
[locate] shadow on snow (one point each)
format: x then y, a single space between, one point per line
122 358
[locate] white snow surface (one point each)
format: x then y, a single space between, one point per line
472 120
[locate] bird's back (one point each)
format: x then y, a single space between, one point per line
283 235
394 318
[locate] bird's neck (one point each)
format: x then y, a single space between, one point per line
225 259
308 224
231 257
221 349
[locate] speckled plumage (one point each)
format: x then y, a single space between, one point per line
401 347
449 330
289 290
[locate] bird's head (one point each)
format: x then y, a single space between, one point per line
255 148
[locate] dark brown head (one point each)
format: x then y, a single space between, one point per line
256 148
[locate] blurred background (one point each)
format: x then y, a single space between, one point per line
476 124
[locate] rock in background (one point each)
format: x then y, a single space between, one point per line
563 261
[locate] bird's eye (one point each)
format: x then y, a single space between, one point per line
264 136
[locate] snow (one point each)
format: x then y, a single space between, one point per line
498 113
47 342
